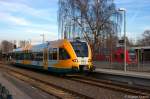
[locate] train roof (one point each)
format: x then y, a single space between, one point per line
39 47
49 44
18 49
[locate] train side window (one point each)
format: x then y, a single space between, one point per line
37 56
30 56
21 56
54 53
13 55
122 56
40 56
115 56
25 56
34 56
50 54
17 56
63 54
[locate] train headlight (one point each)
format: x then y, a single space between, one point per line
89 60
75 60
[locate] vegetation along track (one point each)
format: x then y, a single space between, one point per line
57 91
134 90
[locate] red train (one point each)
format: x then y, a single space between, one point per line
131 57
118 56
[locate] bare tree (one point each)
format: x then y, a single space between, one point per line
7 46
145 41
94 19
23 43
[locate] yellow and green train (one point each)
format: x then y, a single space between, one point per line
60 56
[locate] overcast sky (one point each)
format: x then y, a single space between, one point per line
27 19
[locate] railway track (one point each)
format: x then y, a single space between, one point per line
65 93
111 85
50 88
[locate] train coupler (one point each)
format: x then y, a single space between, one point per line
92 68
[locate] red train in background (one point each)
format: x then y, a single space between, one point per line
131 57
118 56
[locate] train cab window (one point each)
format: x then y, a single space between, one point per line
63 54
80 48
54 53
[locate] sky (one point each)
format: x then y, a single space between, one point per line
138 16
28 19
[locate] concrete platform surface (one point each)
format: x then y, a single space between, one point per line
144 75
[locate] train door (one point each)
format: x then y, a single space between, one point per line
53 57
45 58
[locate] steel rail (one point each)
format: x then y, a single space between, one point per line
110 85
70 92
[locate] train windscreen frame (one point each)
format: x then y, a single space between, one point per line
80 48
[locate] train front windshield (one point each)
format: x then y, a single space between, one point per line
80 48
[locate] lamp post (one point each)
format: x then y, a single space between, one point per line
124 12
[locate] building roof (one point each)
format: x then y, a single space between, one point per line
141 47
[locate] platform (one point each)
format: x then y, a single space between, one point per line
123 73
130 77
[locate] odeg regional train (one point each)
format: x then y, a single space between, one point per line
61 56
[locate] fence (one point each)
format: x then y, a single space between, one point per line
136 60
